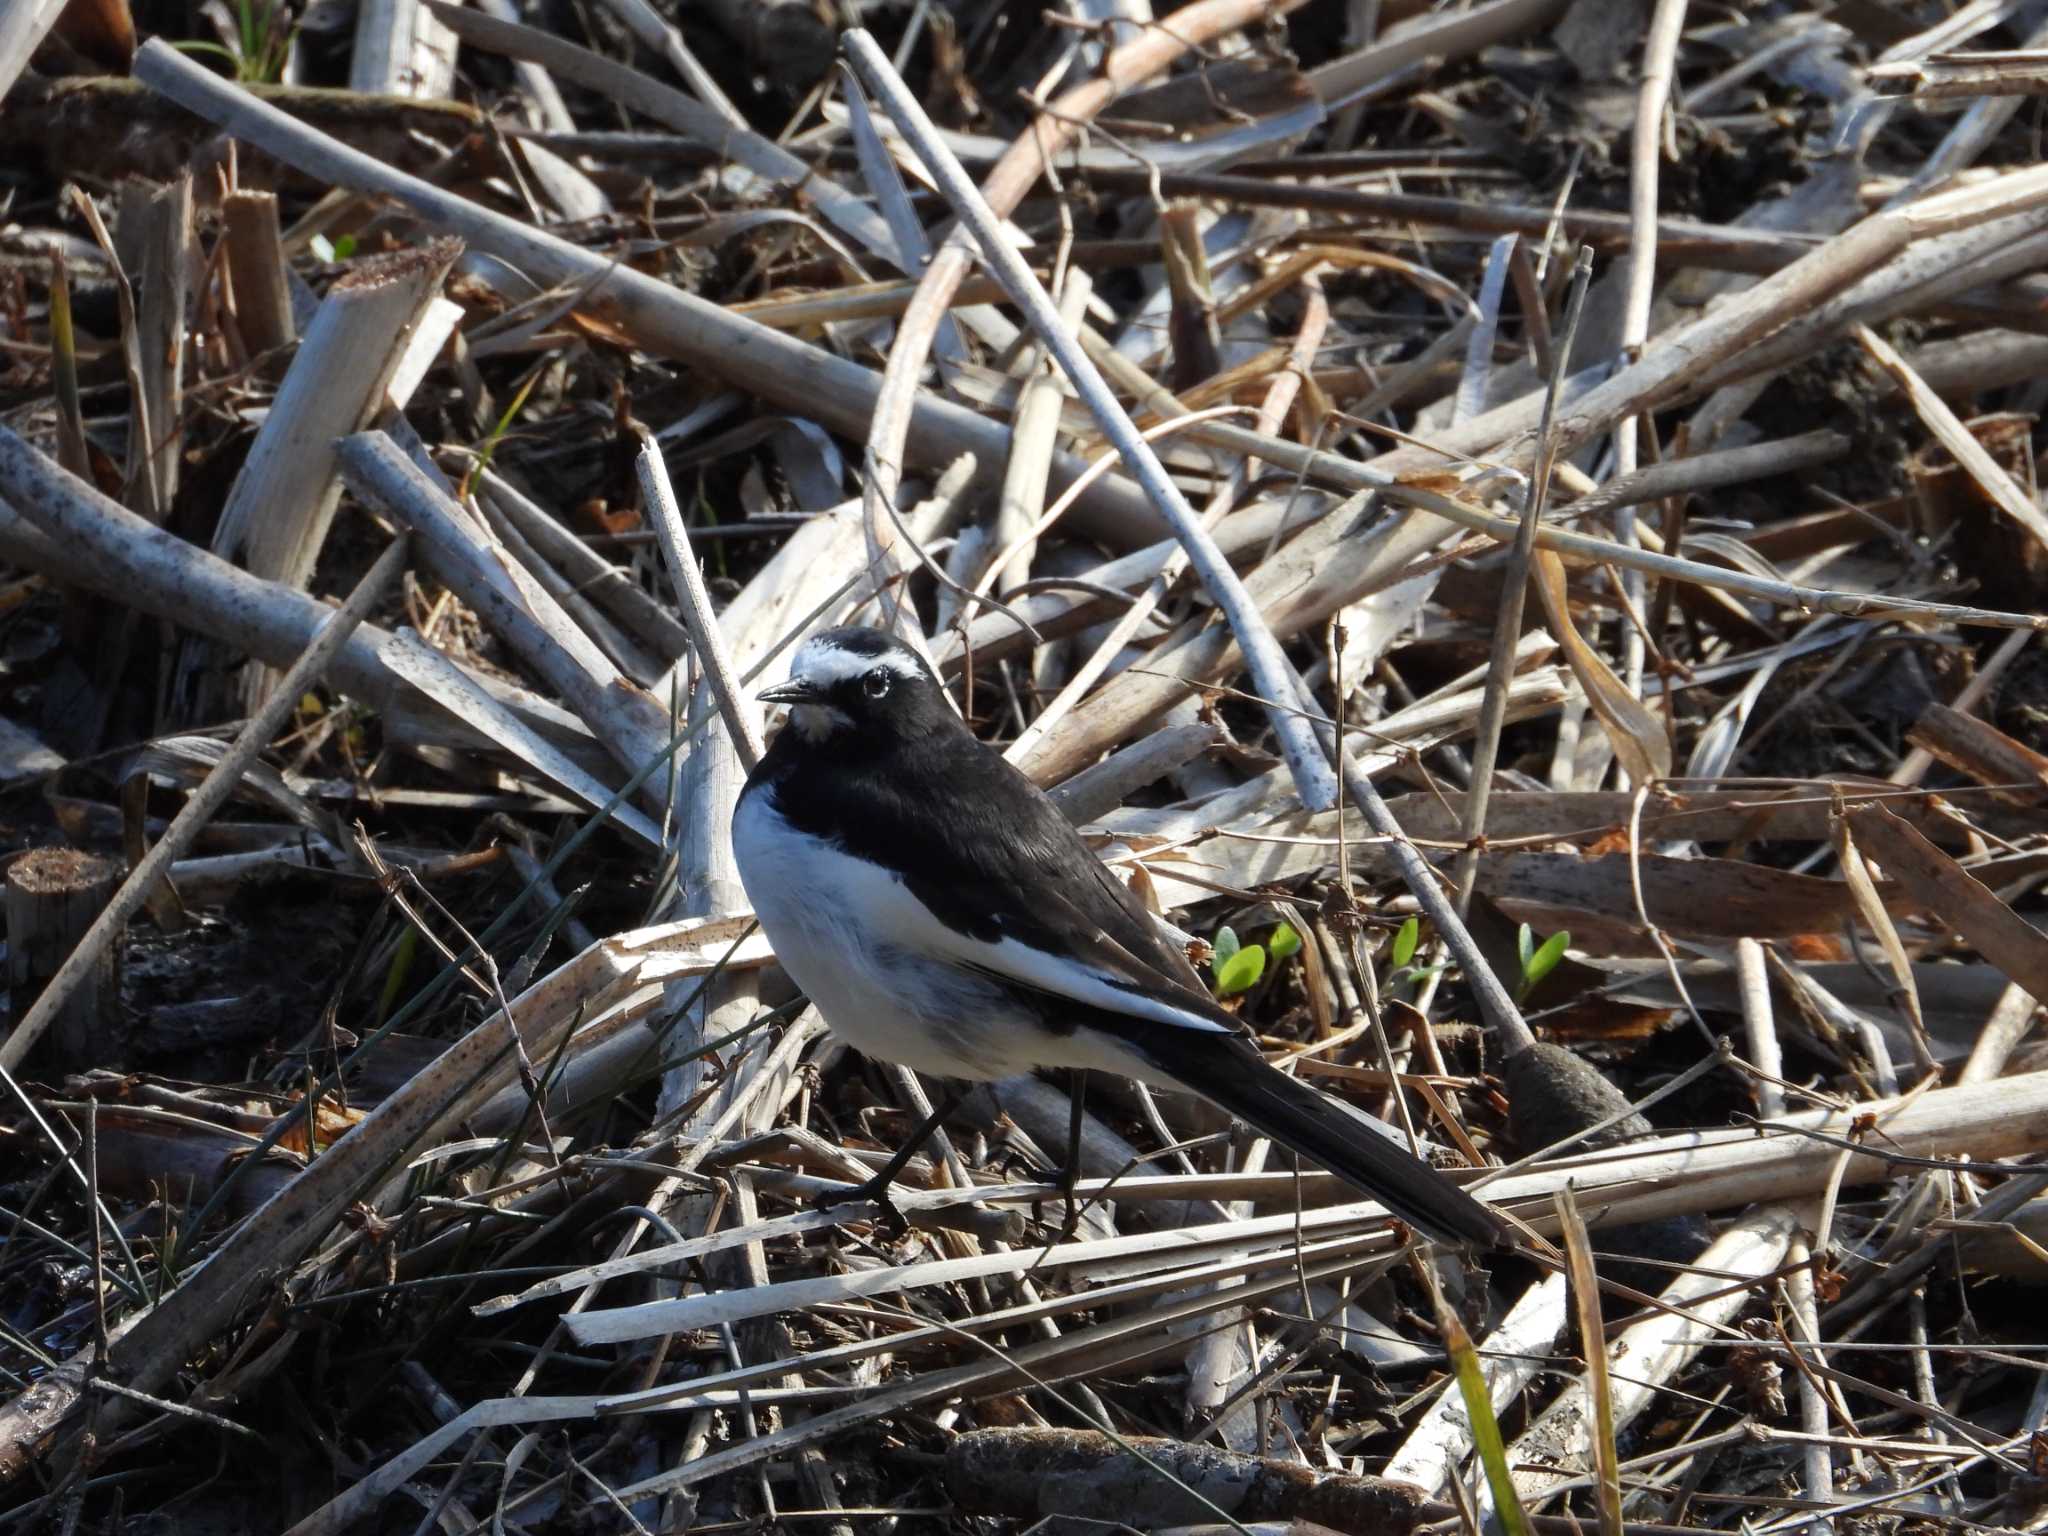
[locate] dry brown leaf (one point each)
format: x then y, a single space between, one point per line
1979 749
1943 886
1703 898
1637 733
1999 487
1856 874
100 33
332 1121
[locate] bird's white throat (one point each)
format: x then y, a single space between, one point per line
814 722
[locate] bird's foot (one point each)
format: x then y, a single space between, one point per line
1064 1179
875 1192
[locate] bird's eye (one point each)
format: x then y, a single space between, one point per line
876 684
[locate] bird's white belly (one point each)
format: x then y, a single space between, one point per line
846 932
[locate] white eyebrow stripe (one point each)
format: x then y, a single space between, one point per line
826 665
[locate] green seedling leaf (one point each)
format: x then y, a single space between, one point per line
482 461
1241 971
1225 945
1485 1428
72 452
1585 1296
1406 938
217 50
1539 962
1410 975
1525 945
1283 941
400 968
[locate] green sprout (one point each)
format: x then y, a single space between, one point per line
1237 966
1404 972
262 43
1538 960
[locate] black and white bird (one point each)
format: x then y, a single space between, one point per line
942 913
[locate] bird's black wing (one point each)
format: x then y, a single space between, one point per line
1061 921
1014 891
1011 887
1076 926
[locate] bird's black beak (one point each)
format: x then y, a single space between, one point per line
791 692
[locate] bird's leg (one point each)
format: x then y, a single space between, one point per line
1068 1174
876 1189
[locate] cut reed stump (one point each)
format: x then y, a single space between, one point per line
52 897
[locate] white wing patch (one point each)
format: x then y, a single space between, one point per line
1066 976
896 914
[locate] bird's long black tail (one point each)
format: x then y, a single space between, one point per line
1228 1072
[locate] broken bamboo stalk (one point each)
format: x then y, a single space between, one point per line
154 233
282 504
257 272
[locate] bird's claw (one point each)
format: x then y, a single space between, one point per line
874 1192
1064 1179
